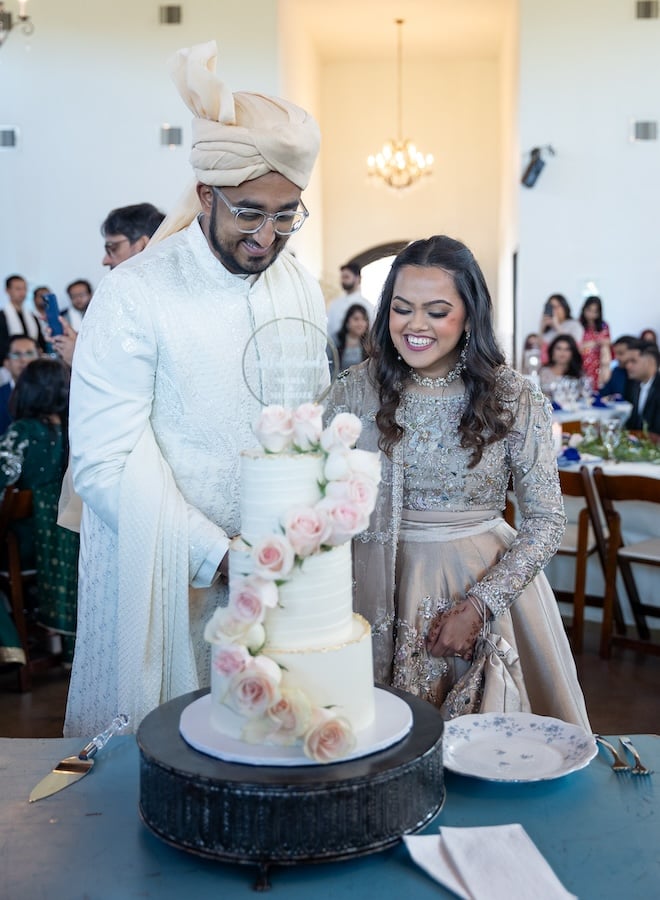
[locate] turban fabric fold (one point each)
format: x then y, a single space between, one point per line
236 137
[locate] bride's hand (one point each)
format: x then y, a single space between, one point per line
453 633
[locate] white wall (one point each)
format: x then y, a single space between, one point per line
586 70
451 108
89 91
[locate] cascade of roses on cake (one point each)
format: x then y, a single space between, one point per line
252 680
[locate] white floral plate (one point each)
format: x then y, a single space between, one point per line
393 721
515 747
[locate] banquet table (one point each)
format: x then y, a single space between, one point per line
599 831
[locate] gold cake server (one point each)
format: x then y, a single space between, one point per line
75 767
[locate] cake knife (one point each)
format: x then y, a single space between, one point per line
75 767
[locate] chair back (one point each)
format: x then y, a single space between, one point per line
16 504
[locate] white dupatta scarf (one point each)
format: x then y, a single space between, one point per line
155 656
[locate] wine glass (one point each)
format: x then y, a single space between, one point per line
611 435
589 426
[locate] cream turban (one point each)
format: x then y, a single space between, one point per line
236 137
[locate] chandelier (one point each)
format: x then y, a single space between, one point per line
399 163
7 22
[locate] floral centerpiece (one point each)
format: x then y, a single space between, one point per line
628 447
251 681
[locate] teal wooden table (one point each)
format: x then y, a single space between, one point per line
599 831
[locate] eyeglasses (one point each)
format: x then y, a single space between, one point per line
249 221
111 246
27 354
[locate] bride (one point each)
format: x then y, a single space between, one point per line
454 424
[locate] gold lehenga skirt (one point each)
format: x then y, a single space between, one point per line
440 556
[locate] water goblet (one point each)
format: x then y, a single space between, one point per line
611 434
589 426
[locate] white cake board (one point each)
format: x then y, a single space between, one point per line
392 722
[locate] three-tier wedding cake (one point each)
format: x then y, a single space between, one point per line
291 661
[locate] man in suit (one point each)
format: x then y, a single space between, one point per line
618 382
15 319
642 362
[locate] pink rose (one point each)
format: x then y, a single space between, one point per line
285 721
306 528
273 557
274 429
330 738
228 659
249 598
359 490
343 431
307 426
253 690
346 520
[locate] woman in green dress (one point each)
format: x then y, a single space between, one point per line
33 455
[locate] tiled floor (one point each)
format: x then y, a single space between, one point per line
623 695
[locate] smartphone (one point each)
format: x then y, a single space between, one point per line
53 314
548 309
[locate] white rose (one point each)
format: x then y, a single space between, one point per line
336 466
343 431
307 426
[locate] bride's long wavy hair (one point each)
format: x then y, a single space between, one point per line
486 419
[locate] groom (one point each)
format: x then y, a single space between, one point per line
160 407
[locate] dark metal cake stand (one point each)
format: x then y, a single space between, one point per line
265 815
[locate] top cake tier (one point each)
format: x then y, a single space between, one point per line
274 484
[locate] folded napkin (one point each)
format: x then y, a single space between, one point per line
569 455
556 407
600 404
496 862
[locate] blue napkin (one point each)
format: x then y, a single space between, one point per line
569 455
555 406
598 404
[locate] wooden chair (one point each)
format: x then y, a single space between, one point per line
614 489
580 542
15 578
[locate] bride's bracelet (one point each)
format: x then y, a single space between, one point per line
479 605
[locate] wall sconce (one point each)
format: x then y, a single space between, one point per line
535 165
7 23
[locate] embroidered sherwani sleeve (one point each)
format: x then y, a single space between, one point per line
533 469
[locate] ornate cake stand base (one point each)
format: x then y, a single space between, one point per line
265 815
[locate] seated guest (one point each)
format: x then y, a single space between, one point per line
617 384
564 361
33 455
557 319
642 364
649 335
15 319
22 350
